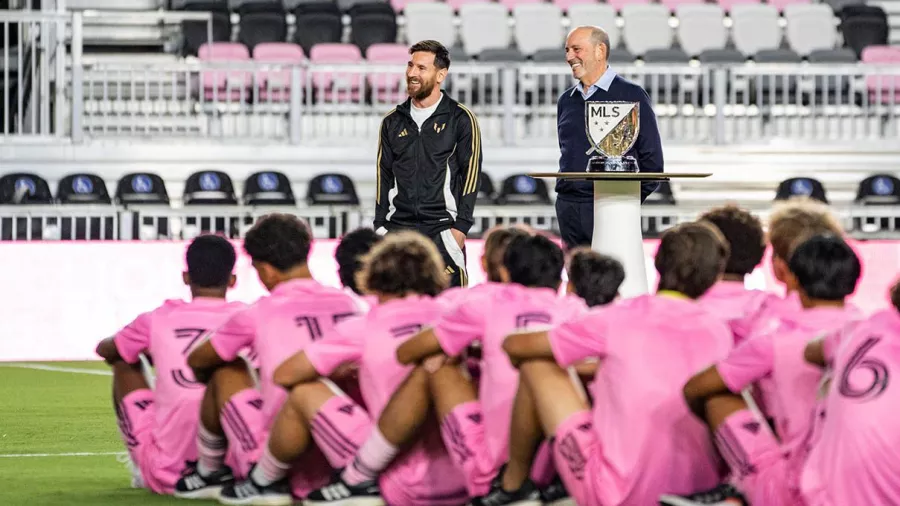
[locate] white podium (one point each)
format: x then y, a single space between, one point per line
617 219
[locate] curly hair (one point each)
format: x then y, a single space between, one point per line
349 252
744 233
280 240
595 277
402 263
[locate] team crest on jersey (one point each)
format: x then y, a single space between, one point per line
439 129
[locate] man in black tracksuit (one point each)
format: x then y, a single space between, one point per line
429 161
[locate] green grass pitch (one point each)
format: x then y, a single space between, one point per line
45 415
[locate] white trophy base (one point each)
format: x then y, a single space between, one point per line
617 220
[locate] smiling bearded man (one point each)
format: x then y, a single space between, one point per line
429 161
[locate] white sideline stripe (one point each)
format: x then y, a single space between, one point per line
75 454
42 367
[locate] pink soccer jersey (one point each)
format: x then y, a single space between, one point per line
854 458
648 442
735 304
488 316
296 313
371 341
775 360
168 335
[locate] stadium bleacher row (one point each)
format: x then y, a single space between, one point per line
83 209
513 31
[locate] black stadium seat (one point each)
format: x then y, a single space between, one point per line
317 23
24 188
254 6
332 189
209 187
372 23
195 32
801 187
259 27
663 195
864 30
879 190
523 189
268 188
141 188
82 189
486 191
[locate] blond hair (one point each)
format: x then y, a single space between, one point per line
403 263
796 220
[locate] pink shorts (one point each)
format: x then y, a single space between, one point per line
463 433
136 415
580 464
757 461
341 426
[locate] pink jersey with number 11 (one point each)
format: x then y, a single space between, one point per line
296 313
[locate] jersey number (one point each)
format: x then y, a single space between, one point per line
877 368
312 323
406 330
526 320
184 378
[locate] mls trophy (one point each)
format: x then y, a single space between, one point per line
612 128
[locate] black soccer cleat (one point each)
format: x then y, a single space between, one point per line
526 495
723 495
555 494
193 485
250 493
341 493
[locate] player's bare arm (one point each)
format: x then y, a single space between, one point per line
419 347
815 352
108 351
701 387
295 370
204 360
522 346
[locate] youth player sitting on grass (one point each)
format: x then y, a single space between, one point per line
475 429
824 270
405 272
789 223
235 415
641 440
853 457
159 426
729 299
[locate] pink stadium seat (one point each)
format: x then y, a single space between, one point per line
883 88
781 4
222 83
618 4
400 5
565 4
511 4
456 4
673 4
728 4
336 86
388 87
275 84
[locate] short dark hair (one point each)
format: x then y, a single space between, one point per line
895 295
826 267
534 261
595 277
210 261
744 233
349 252
280 240
690 258
402 263
441 54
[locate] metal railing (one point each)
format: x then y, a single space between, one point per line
335 104
148 222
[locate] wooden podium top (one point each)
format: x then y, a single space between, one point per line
619 176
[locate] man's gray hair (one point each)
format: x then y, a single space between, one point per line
598 36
